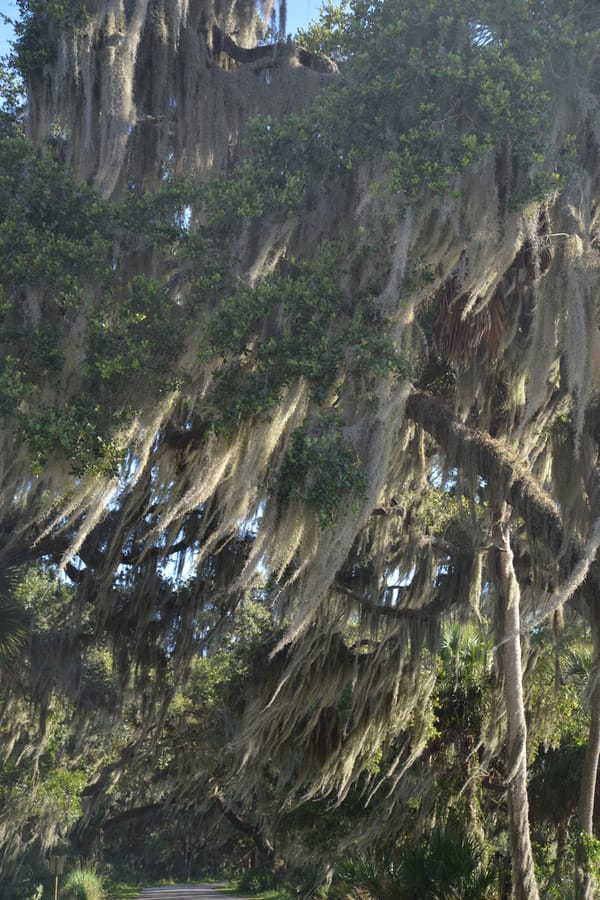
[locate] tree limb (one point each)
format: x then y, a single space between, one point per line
494 461
270 54
137 812
431 610
254 831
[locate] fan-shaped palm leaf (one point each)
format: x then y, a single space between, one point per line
15 620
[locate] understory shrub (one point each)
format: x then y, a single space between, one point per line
83 884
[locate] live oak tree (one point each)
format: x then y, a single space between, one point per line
310 318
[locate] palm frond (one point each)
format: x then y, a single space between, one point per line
15 619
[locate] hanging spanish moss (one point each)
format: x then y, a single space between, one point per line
283 363
137 91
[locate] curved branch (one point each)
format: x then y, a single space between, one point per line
137 812
263 845
494 461
431 610
270 54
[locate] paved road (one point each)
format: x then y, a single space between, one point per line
185 892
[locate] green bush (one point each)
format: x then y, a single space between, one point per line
83 884
257 880
447 864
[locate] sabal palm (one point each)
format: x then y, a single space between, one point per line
449 866
14 620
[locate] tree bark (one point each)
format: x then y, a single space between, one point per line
270 54
524 884
493 460
584 883
139 812
263 846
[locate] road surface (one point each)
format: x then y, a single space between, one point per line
186 892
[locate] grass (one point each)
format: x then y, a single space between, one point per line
83 884
123 891
126 891
261 895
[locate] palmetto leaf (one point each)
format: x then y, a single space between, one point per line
461 327
449 866
15 620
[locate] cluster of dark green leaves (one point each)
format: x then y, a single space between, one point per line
80 431
446 863
436 86
296 325
58 240
284 162
11 101
58 268
136 335
320 468
36 30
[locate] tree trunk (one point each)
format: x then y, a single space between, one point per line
263 846
524 885
584 886
562 839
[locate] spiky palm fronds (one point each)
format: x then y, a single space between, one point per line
15 620
360 876
465 653
577 662
450 865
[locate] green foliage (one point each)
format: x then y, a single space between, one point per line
56 243
36 31
14 627
319 469
83 884
28 884
441 95
296 326
363 875
61 791
465 658
77 432
124 891
437 87
15 621
217 681
257 880
135 333
429 87
51 794
328 35
46 600
285 157
590 846
558 715
449 864
11 101
13 388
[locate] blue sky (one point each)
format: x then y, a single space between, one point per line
299 13
8 7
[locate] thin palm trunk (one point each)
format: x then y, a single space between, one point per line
524 884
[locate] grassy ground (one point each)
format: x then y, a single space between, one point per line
262 895
123 891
